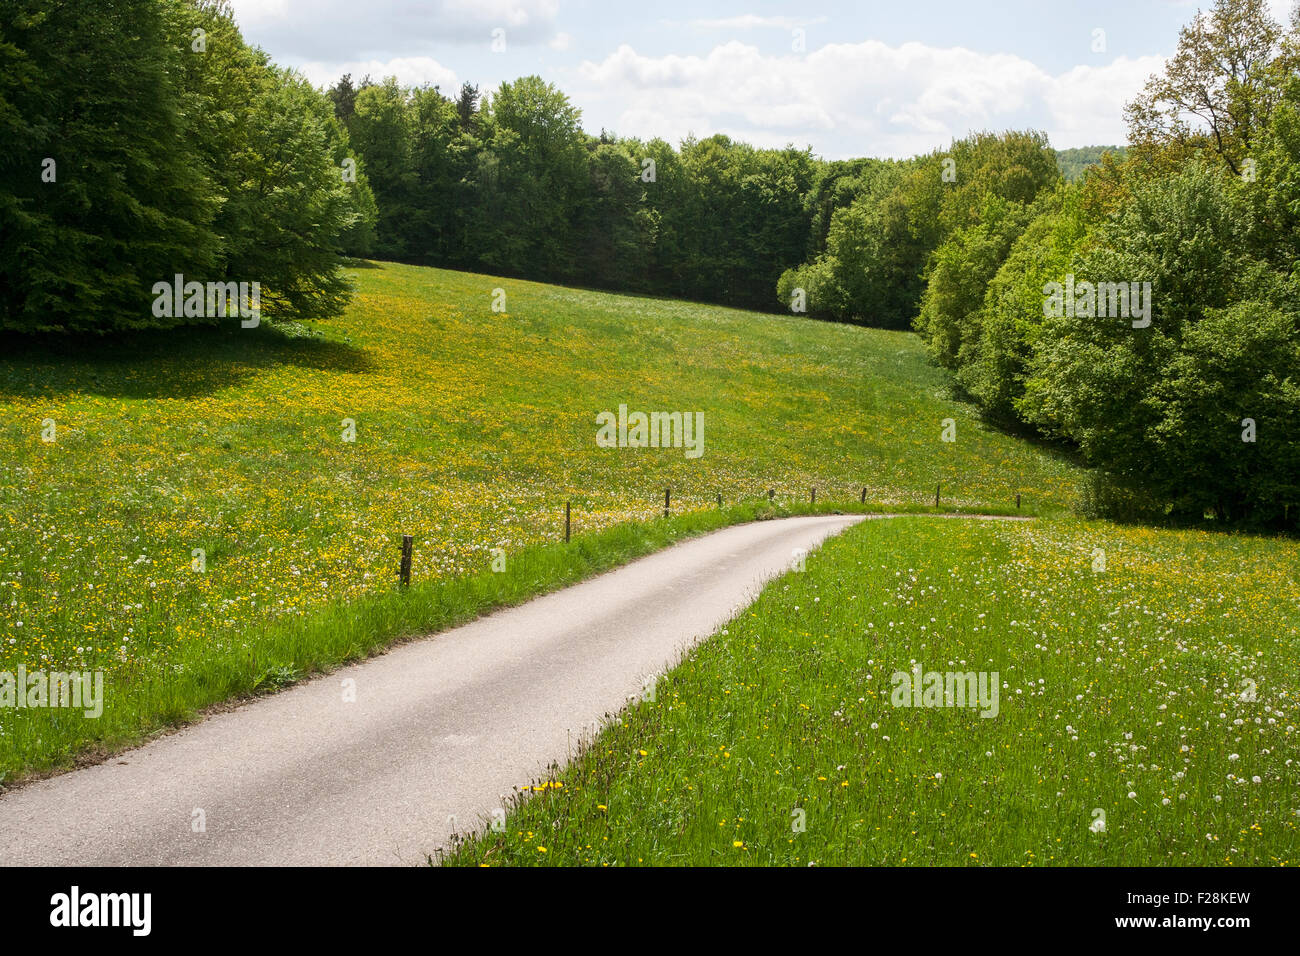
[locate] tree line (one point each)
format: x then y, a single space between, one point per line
1149 312
511 184
1183 400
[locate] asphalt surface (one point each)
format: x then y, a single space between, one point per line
440 732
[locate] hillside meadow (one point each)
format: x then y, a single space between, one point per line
197 495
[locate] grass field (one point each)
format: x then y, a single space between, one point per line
1123 654
472 428
1147 713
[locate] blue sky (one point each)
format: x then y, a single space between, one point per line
862 79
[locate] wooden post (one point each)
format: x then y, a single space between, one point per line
1017 501
666 501
770 493
814 496
404 574
719 499
566 521
936 494
864 496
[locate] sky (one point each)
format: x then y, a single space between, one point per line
846 79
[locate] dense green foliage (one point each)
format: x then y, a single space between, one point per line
881 243
1150 311
144 138
997 346
1073 162
1164 408
516 187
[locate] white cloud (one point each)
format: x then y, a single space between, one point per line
248 12
1281 10
857 99
1086 104
328 30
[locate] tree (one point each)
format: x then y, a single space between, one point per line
429 220
125 204
1220 87
876 250
836 185
958 274
667 196
1274 195
467 107
1227 404
993 364
172 148
614 228
297 204
770 218
528 180
546 123
273 148
879 246
1131 397
344 97
1073 162
382 135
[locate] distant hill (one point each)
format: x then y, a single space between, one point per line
1072 162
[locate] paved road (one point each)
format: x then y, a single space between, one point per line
440 728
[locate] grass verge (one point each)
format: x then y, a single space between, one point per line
151 695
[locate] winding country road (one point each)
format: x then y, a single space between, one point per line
440 728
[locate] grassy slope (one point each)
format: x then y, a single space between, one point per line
472 429
1124 690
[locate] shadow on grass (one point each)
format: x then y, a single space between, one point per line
1056 448
176 363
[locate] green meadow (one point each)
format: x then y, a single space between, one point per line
184 510
292 459
1148 685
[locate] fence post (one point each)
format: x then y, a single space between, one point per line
936 493
404 573
1017 501
770 493
566 522
814 496
666 500
719 499
864 496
